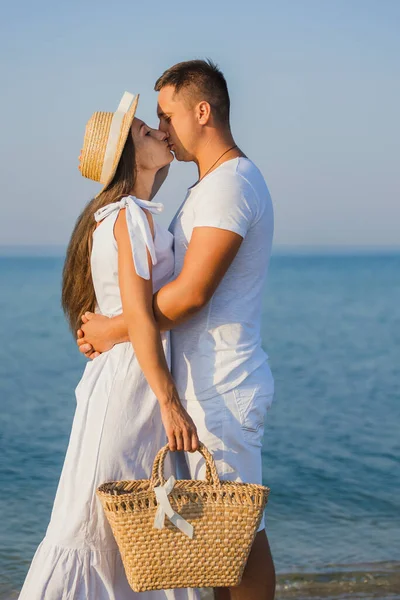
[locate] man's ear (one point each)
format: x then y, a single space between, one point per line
203 111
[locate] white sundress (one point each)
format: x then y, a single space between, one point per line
116 433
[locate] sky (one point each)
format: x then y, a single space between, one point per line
315 95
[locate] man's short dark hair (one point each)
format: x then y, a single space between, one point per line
204 81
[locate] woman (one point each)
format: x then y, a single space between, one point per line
126 399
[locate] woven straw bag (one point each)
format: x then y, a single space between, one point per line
185 533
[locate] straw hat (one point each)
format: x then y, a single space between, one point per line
105 137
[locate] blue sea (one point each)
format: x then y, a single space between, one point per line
331 448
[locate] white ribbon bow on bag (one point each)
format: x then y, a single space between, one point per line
165 508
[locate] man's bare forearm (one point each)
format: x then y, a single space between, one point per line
172 306
175 303
118 330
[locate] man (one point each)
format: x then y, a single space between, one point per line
223 237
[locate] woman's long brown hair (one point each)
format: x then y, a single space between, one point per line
78 294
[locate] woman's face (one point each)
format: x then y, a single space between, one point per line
151 146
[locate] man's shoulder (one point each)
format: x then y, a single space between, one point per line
241 173
249 173
236 191
233 176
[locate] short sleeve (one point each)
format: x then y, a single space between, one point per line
141 239
139 231
226 203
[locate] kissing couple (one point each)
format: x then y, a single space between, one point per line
172 323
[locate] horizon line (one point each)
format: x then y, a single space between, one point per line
58 250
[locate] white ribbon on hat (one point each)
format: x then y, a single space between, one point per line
113 136
165 508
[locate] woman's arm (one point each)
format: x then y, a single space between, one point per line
144 334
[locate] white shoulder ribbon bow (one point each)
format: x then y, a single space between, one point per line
138 228
165 508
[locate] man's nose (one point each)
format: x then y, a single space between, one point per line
162 135
163 128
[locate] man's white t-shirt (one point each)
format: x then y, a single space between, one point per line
216 349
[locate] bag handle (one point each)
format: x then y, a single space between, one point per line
157 475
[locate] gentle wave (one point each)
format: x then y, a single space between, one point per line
378 580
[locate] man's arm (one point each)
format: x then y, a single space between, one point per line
210 253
